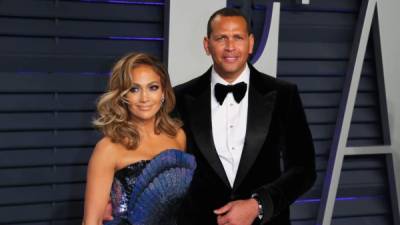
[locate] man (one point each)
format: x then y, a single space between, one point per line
239 124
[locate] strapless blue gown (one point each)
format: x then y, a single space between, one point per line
149 192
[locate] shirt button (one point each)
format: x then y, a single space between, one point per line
230 104
233 148
231 126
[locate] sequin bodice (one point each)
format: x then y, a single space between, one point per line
149 192
124 180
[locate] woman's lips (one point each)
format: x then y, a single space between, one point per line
144 108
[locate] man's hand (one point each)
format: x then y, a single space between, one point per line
240 212
108 212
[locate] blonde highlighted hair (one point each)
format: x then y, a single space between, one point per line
114 118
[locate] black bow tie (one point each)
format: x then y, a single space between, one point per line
238 90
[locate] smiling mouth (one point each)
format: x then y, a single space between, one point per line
144 108
230 58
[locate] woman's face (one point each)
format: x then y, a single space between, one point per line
146 93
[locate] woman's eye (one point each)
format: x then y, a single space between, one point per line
154 87
134 89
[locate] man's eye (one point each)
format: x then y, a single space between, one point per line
154 87
239 38
134 89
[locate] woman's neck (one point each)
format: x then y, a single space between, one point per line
146 128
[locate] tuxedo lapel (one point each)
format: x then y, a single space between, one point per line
260 109
199 110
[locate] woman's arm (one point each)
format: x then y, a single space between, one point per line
99 179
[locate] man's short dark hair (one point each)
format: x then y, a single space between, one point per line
227 12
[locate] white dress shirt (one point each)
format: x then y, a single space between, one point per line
229 122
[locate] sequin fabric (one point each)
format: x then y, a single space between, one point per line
124 181
149 192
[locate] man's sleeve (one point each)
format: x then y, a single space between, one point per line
298 158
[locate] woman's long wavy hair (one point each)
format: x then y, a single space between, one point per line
115 120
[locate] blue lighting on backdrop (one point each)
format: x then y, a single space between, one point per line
124 2
351 198
136 38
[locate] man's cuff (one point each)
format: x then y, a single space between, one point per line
267 204
260 206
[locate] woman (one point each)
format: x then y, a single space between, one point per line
138 160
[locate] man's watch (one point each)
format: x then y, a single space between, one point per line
260 206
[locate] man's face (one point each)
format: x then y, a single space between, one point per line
229 45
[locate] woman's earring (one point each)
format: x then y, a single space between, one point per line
162 99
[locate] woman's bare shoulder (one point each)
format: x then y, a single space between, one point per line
106 149
181 139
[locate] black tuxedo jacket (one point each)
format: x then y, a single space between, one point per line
277 161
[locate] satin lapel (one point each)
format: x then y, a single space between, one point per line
259 116
199 110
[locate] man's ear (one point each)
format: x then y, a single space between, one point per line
251 43
205 45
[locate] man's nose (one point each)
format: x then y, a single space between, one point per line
230 45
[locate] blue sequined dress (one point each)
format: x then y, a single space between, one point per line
149 192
